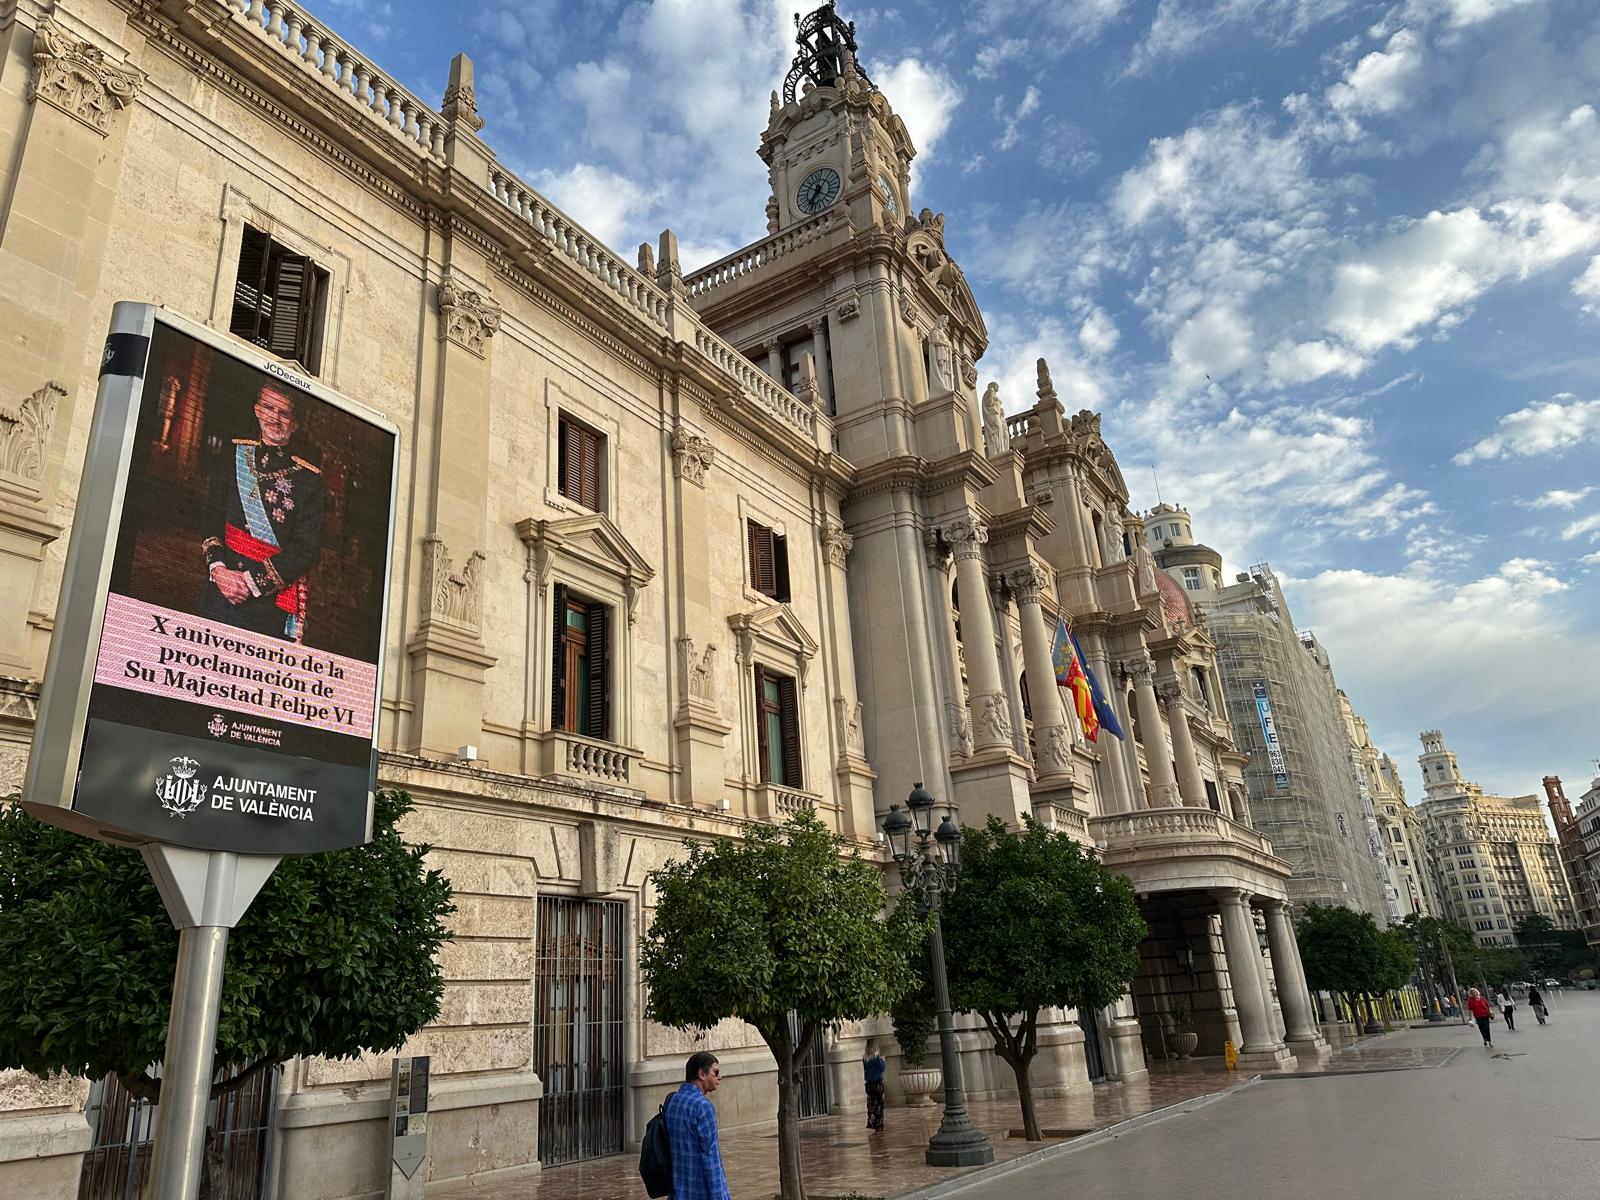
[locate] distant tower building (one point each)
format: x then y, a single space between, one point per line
1493 859
1588 821
1574 859
1197 568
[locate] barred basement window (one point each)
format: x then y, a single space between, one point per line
580 459
279 299
778 728
580 699
769 562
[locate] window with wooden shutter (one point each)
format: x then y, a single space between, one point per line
778 728
580 691
278 300
597 707
579 451
558 666
769 562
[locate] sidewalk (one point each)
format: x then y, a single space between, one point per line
841 1156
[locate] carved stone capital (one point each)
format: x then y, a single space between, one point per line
76 77
1141 668
1170 690
691 455
25 434
1028 583
967 536
849 308
936 549
470 318
836 542
817 325
969 372
772 345
455 598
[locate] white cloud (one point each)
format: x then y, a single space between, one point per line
599 199
1567 498
1461 13
1382 81
924 97
1548 428
1294 363
1591 560
1583 525
992 57
1182 26
1212 344
1587 286
1098 334
1026 107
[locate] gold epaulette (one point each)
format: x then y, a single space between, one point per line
308 466
247 441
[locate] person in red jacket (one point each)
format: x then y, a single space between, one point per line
1480 1010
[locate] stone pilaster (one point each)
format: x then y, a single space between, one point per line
1163 783
991 718
852 772
1053 736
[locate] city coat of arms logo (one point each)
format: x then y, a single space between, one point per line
179 791
218 725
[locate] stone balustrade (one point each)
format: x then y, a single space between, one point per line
780 402
775 802
588 759
319 52
1017 425
752 258
579 247
1139 829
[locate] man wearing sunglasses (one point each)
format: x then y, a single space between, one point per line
692 1131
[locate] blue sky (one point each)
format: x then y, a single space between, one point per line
1331 268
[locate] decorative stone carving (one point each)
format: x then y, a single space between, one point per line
460 105
772 214
996 722
1055 747
1028 583
908 310
936 549
836 542
697 671
1047 390
25 433
994 422
966 536
960 727
1171 691
1141 668
849 308
453 597
969 372
471 318
941 357
75 77
849 718
691 455
647 261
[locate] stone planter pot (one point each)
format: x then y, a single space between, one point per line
919 1084
1182 1043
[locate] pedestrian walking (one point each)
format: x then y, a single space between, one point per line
692 1133
873 1067
1508 1007
1536 1002
1480 1010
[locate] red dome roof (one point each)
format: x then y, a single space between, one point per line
1179 615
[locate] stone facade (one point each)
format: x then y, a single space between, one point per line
1587 854
1581 881
1492 857
819 385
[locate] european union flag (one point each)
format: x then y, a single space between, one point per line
1102 707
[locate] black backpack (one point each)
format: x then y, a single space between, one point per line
655 1155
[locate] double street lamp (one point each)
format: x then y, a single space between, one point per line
930 863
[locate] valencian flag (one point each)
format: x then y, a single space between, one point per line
1070 675
1102 707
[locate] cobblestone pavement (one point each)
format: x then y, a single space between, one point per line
1518 1119
841 1156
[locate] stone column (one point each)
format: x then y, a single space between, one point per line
1190 785
1261 1046
991 719
774 349
1052 730
1163 784
819 349
1299 1022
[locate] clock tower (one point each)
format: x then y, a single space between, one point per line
833 136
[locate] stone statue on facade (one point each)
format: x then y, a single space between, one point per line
941 357
994 422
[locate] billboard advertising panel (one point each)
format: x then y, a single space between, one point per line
1269 731
215 672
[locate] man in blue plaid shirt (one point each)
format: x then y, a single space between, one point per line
692 1132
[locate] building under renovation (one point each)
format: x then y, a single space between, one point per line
1284 709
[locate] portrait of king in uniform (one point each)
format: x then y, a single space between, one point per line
265 526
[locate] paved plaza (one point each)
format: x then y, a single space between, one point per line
1519 1120
842 1157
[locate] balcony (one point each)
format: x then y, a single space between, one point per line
588 760
774 802
1173 849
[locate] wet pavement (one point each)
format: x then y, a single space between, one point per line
1519 1119
840 1155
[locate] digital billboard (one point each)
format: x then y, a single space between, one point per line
215 670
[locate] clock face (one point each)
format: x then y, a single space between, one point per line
818 190
888 195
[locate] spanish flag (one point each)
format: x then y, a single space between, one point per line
1070 675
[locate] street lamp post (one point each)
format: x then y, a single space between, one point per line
930 862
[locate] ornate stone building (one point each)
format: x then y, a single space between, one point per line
1493 859
1587 821
1575 860
812 566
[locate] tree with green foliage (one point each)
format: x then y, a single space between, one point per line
1551 951
1397 960
1036 922
335 956
1342 951
914 1015
780 922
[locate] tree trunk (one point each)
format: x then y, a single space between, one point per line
1030 1116
791 1182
